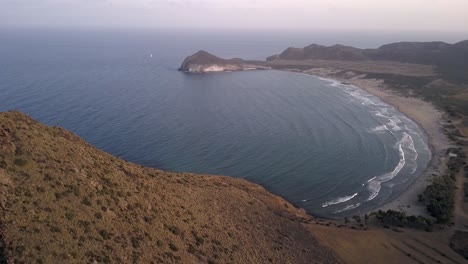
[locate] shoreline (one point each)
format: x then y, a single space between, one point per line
424 114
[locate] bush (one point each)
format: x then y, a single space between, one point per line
19 151
439 198
98 215
174 229
399 219
20 162
173 247
56 229
69 215
86 201
104 234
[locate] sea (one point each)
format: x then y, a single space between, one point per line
330 148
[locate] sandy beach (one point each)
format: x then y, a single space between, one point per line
424 114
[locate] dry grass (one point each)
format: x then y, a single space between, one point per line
64 201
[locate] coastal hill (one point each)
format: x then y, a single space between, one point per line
64 201
203 61
447 59
314 51
411 52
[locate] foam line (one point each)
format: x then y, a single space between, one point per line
339 200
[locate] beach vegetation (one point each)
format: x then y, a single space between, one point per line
400 219
439 198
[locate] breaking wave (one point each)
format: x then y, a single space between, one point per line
375 184
339 200
410 143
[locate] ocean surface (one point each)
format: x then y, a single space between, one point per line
330 148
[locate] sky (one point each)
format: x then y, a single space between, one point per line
392 15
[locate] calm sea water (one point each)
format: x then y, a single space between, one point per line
329 148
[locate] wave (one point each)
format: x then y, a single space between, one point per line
416 154
375 184
333 82
349 207
339 200
365 100
381 128
406 133
393 122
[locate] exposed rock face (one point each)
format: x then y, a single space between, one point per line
203 61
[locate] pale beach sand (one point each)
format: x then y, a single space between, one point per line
424 114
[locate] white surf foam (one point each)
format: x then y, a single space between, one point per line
381 128
416 154
339 200
393 122
349 207
375 184
365 100
403 129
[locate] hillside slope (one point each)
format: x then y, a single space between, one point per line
64 201
449 59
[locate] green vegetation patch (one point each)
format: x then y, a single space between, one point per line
400 219
439 198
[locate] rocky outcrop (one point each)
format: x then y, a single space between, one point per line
203 61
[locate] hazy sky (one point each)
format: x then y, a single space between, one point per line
408 15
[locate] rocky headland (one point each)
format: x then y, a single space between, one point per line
203 61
